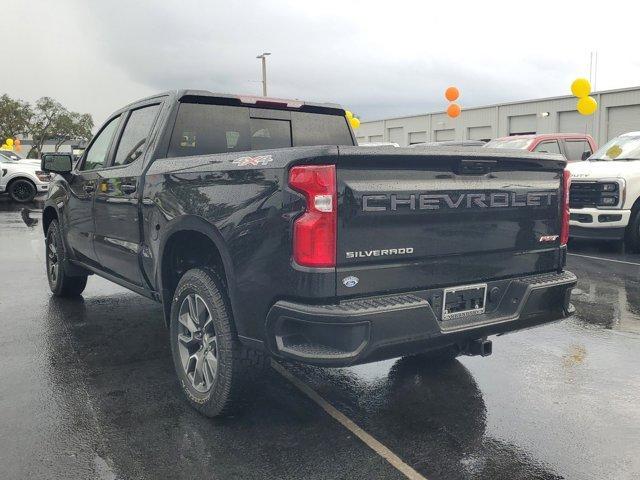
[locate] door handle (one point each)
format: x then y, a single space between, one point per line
88 188
128 187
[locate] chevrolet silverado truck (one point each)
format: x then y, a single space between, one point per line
265 232
605 193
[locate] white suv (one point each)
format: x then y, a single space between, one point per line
22 180
605 192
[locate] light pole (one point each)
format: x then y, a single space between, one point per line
264 72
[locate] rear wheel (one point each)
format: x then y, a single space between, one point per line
60 282
22 190
213 367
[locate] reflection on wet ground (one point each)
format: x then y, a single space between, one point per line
88 392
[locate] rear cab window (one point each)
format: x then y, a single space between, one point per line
548 146
577 149
203 129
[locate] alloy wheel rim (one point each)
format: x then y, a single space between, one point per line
22 191
52 261
197 343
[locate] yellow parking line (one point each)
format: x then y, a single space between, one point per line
346 422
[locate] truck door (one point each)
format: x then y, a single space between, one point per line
118 233
80 227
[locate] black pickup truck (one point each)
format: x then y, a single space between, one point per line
265 232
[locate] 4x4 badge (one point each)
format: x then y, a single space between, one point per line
253 161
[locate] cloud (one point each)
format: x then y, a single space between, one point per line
378 58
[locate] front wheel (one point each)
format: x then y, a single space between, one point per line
22 190
632 234
60 282
213 367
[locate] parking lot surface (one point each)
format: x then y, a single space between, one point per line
88 391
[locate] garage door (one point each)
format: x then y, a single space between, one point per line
396 135
480 133
417 137
522 124
622 120
573 122
375 138
448 134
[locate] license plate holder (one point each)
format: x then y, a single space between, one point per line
464 301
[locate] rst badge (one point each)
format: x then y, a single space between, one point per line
548 238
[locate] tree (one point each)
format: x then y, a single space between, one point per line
71 126
14 117
51 121
46 120
47 113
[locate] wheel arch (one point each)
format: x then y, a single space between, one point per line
48 215
636 206
204 235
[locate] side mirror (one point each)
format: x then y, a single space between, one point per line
57 162
586 154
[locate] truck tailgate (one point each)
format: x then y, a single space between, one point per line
410 220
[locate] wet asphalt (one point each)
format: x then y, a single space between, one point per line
87 390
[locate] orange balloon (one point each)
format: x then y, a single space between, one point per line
454 110
452 94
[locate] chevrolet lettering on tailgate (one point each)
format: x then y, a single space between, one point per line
436 201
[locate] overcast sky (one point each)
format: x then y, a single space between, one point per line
377 58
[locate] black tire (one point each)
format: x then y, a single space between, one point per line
22 190
210 340
438 355
60 282
632 234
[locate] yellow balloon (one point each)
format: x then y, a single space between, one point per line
355 123
581 87
348 114
587 106
9 141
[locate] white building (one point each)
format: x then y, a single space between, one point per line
618 112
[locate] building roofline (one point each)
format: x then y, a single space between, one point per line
504 104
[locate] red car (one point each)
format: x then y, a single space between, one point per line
574 146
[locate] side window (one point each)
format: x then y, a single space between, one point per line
266 133
134 135
577 149
548 147
97 153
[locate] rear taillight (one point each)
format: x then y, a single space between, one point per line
314 232
564 230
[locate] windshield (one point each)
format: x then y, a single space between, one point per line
515 143
625 147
